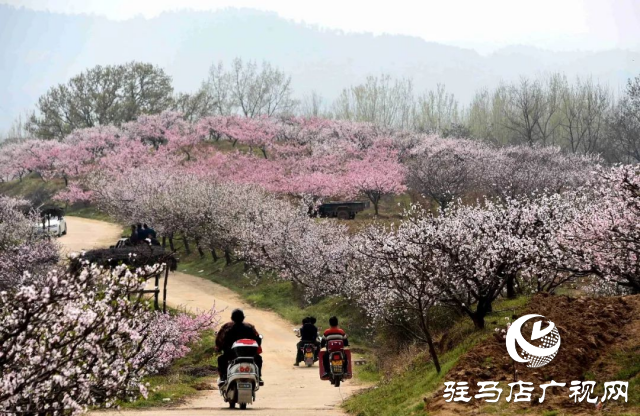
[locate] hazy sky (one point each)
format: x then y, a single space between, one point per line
483 24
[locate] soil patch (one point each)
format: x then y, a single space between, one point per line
591 331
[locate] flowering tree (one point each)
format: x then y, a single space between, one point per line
378 173
524 170
447 169
282 238
73 340
393 276
605 238
22 253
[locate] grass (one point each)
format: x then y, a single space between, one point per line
33 188
403 394
629 362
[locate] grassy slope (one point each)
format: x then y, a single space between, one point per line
39 192
402 394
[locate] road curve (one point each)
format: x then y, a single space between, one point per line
288 390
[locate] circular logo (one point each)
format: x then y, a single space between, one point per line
547 342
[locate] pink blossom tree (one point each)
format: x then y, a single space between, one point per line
377 174
605 238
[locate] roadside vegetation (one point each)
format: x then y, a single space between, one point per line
186 376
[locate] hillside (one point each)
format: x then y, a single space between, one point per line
600 342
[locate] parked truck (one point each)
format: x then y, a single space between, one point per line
345 210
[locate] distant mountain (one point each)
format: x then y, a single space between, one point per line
40 49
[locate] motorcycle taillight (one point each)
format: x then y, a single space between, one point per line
337 356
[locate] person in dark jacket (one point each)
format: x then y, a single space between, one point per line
142 233
228 334
308 334
134 238
150 231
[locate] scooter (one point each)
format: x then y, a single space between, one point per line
339 361
309 354
308 350
243 379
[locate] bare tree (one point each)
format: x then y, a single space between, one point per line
551 96
625 123
196 105
524 110
19 129
585 107
312 105
380 100
436 111
218 87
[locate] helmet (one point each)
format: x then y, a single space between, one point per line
237 316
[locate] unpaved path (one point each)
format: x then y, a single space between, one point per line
288 390
86 234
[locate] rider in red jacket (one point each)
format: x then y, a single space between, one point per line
333 330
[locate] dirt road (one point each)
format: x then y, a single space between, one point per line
85 234
288 390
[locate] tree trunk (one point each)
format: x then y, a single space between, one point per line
478 320
171 243
483 307
511 288
164 241
433 353
200 250
186 245
227 256
214 255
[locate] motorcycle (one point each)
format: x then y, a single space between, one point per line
339 361
308 350
243 379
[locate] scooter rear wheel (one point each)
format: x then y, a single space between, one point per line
243 406
232 405
337 383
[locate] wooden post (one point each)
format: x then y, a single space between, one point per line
164 292
156 305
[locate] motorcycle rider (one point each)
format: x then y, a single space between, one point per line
333 330
308 335
231 332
